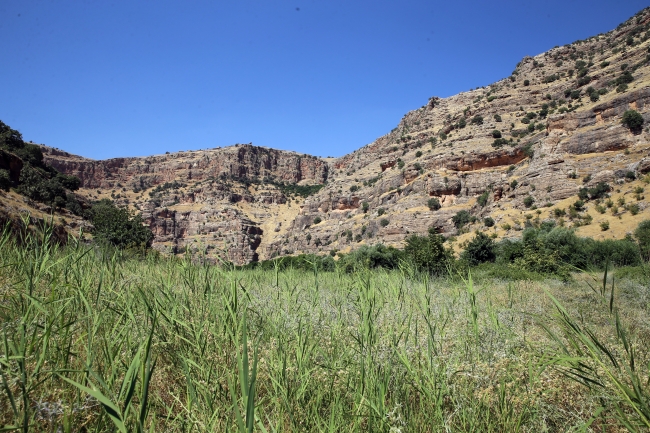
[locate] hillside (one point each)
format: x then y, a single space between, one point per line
518 151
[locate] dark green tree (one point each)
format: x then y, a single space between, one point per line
427 253
481 249
461 218
433 203
119 227
633 120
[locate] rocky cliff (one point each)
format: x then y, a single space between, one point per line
517 151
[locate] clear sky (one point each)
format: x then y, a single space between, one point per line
133 77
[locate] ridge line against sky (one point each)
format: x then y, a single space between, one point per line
138 78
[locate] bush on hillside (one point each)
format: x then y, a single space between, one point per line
427 253
118 227
38 181
633 120
461 218
36 184
433 203
371 257
570 251
12 141
483 198
480 249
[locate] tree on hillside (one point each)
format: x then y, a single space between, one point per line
119 227
481 249
427 253
38 180
12 141
633 120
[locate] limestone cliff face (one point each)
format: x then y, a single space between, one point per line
193 199
529 141
237 162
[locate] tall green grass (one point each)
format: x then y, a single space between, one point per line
97 340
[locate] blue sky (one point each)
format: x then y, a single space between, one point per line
133 77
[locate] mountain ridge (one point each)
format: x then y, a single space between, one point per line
521 145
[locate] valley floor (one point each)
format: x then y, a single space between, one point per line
97 341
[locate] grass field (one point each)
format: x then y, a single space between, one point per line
97 341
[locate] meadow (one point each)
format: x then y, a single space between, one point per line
101 340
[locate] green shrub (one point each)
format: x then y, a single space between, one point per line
526 82
488 221
625 78
604 226
528 201
38 181
535 258
354 188
118 227
497 118
496 134
433 203
579 205
371 257
462 123
633 120
381 211
483 198
477 120
480 249
418 154
428 254
499 142
36 184
365 206
384 222
317 220
461 218
597 192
